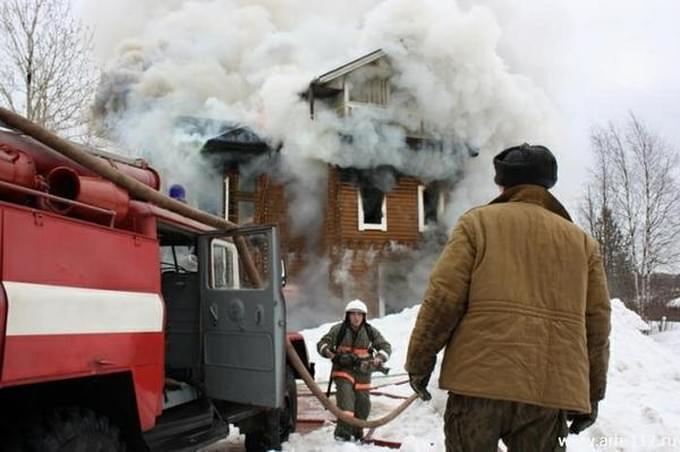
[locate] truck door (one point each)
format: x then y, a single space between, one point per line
243 316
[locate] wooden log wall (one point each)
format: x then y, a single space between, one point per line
341 232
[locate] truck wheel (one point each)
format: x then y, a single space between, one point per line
71 430
277 425
288 413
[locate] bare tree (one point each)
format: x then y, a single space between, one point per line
596 211
637 186
46 72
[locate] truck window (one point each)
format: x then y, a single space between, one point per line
228 268
224 265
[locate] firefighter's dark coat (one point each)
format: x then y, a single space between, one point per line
357 343
351 383
519 299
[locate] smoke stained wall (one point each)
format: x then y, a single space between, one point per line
248 61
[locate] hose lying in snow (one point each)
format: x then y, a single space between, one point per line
325 401
143 192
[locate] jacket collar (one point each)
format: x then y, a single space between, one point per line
533 194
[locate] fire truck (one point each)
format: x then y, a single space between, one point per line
125 326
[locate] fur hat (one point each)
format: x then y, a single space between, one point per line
525 164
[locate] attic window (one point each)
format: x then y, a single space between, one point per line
374 91
372 209
430 206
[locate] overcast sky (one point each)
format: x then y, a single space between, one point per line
596 60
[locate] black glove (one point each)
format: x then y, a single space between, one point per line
419 385
580 422
346 360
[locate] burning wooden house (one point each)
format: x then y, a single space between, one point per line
374 220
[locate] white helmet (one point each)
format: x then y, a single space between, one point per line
356 306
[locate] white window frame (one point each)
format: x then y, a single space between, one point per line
363 226
226 197
422 227
232 251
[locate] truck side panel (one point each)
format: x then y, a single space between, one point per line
81 300
3 303
47 249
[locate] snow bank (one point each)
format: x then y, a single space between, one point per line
674 303
641 412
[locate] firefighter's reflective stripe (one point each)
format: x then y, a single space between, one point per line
41 309
340 374
362 386
360 352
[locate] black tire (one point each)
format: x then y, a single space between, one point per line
69 430
277 425
288 413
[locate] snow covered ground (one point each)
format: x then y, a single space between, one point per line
641 412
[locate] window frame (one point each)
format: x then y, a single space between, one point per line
225 188
235 264
362 225
422 226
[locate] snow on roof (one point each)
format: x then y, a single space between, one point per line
349 67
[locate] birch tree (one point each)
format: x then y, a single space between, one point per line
596 211
46 71
638 186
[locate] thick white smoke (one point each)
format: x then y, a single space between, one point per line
247 61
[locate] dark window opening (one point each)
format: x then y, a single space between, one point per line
372 202
431 204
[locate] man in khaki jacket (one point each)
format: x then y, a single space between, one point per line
519 301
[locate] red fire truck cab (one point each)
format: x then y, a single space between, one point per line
126 326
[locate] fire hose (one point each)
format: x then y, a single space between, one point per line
141 191
299 366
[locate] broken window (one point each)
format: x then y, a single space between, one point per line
372 209
430 206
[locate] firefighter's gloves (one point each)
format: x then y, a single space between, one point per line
346 360
580 421
419 385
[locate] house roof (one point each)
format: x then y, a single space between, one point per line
224 136
331 75
237 138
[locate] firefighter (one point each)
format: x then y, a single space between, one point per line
518 298
356 349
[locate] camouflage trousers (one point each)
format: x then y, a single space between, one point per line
473 424
357 403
